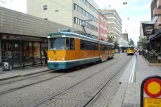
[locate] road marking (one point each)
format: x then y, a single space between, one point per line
131 80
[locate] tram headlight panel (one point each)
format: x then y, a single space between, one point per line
63 58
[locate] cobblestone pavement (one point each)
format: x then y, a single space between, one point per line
132 95
79 94
11 86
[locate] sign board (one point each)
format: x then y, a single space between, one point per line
148 29
151 92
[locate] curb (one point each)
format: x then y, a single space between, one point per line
28 74
23 75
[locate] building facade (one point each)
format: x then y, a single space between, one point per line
23 38
125 36
154 41
67 12
114 23
102 27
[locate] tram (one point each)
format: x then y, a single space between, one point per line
67 49
130 50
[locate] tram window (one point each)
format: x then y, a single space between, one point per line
90 46
72 44
57 43
96 46
67 43
87 45
82 45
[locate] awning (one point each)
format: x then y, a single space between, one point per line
156 36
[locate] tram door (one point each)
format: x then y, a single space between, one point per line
103 53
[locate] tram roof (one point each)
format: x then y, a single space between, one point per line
107 43
71 34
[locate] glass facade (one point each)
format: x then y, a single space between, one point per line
23 53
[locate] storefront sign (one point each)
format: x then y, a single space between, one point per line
151 92
148 29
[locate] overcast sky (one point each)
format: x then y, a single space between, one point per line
136 10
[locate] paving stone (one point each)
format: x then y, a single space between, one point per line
32 95
142 71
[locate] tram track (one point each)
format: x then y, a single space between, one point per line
41 78
23 77
103 87
17 83
43 103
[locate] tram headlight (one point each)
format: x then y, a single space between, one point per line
63 59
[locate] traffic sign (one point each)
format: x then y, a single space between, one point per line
151 92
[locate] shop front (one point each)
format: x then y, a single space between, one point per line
23 51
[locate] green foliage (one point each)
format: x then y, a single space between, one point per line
143 42
110 39
131 42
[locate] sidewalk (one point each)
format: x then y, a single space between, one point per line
128 94
22 72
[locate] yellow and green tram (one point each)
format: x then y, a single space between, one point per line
130 50
69 49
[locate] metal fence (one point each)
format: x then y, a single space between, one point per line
151 57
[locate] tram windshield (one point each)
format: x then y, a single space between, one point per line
130 48
57 43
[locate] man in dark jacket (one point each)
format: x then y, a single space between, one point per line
45 54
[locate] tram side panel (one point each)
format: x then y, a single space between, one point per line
88 51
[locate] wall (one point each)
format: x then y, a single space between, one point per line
102 26
81 16
13 22
59 11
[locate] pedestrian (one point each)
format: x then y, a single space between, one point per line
45 54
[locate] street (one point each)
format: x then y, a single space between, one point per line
93 85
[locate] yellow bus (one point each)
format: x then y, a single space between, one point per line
130 50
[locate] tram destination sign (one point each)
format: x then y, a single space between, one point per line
56 36
151 92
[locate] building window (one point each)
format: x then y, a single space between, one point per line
44 7
84 12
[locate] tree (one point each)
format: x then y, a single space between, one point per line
131 42
143 42
110 39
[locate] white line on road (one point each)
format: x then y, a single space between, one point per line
133 70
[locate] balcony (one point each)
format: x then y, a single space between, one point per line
159 4
156 12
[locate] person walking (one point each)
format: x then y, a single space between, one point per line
45 54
